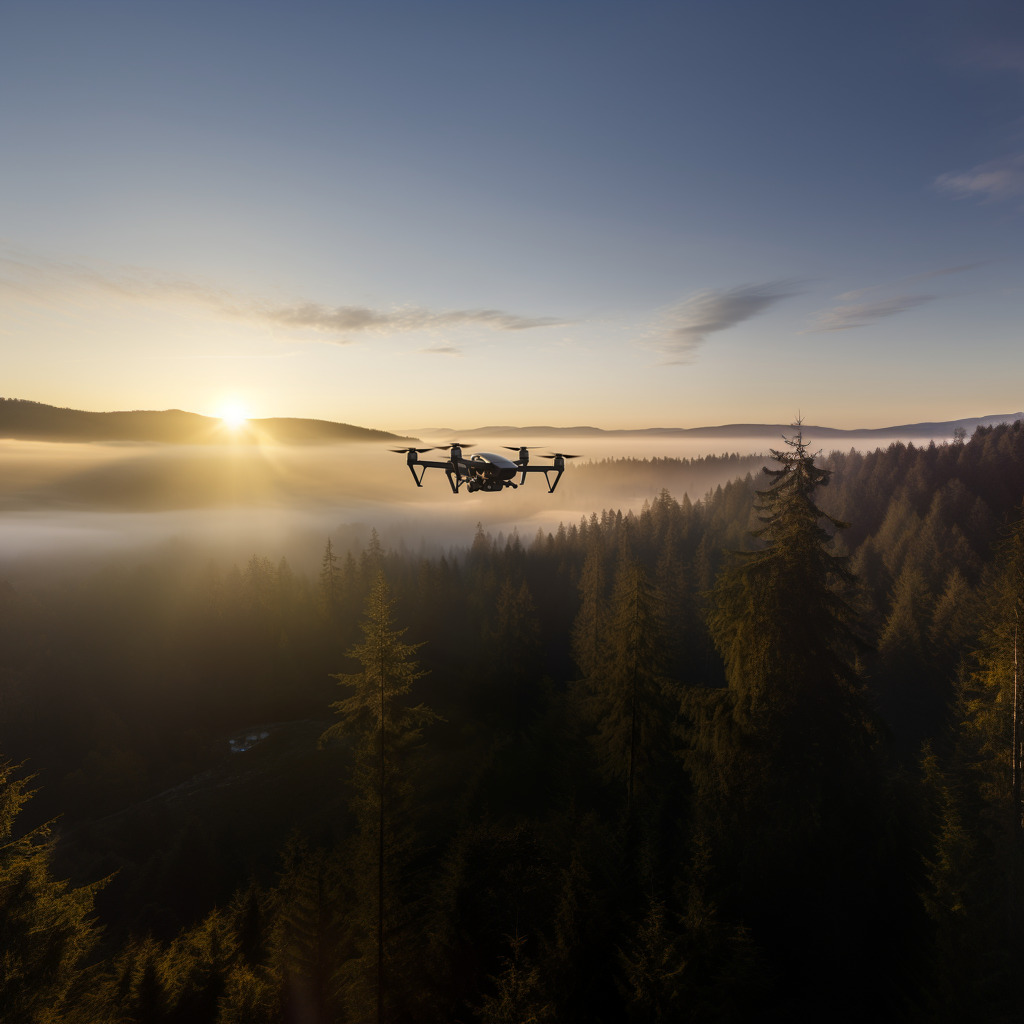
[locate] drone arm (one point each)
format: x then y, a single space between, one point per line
423 465
557 469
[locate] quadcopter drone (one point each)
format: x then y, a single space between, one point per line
484 471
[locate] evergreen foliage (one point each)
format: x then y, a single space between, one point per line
785 855
382 730
47 928
789 787
626 698
974 892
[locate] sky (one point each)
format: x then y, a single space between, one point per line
404 214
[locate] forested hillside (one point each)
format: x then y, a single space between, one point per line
36 421
753 757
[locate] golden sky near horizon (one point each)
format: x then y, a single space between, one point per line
514 214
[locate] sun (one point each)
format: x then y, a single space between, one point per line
233 415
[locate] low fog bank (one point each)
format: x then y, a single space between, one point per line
82 502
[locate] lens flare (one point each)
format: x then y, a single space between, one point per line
233 416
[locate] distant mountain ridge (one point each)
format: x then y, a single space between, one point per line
21 419
34 421
939 429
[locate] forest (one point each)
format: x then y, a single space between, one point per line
750 757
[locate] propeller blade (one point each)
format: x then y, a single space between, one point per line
405 451
455 444
520 447
559 455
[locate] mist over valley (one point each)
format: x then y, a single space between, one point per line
235 492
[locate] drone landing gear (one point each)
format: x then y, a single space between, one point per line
558 476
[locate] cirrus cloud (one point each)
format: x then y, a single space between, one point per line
688 324
860 314
38 278
996 180
347 320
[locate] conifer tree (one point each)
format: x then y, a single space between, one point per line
47 929
626 701
512 658
652 965
975 872
518 998
912 694
330 582
588 631
779 620
383 729
786 768
309 934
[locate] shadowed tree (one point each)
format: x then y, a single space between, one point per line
512 659
912 697
382 729
625 694
786 769
975 873
518 998
47 930
588 630
331 590
309 937
778 619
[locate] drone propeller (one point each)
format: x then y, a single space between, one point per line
559 455
405 451
520 447
455 444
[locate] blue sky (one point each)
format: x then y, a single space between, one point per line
401 214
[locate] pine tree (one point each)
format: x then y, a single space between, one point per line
309 935
331 590
627 700
779 620
376 718
588 630
512 663
786 768
652 965
975 872
518 998
47 929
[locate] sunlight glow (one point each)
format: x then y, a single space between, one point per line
233 416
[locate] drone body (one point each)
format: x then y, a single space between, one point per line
484 471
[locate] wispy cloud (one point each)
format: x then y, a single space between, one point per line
688 324
994 181
861 314
36 278
864 306
344 321
944 271
443 350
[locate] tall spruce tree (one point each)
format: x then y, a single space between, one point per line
785 767
331 590
624 695
975 873
376 719
778 618
47 929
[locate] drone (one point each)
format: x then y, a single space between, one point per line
484 471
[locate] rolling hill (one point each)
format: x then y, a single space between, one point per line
34 421
937 429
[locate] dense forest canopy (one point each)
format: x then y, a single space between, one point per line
751 756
